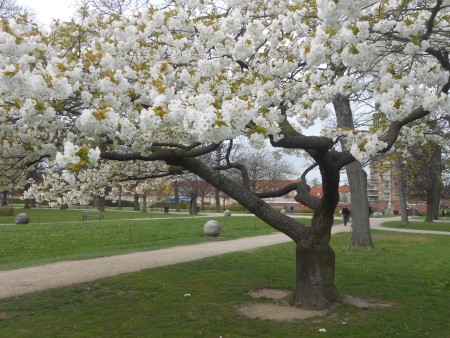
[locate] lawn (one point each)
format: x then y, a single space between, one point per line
33 244
420 225
199 299
50 215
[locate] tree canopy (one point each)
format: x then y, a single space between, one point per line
173 83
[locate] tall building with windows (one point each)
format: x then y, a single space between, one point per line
382 188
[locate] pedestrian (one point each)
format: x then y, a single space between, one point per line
345 215
444 213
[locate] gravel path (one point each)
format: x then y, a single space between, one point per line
42 277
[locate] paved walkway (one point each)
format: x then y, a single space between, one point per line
42 277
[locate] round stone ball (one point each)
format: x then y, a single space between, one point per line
227 213
212 228
282 211
22 219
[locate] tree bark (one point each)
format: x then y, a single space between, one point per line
435 186
120 197
136 203
144 203
5 197
315 288
357 179
401 192
217 191
176 193
193 205
101 203
217 199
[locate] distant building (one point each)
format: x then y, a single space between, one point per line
287 201
382 190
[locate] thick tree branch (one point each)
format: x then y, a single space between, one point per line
294 140
393 131
160 154
279 192
430 23
239 166
292 228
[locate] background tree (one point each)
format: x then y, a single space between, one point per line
195 188
357 177
263 165
424 170
110 7
10 8
401 190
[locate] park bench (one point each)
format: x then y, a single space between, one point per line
95 214
6 211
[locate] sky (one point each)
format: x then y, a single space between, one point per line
49 9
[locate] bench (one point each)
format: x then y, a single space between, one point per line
95 214
6 211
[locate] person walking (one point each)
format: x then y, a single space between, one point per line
345 215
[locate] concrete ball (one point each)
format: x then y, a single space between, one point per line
22 219
212 228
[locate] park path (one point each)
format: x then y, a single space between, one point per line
37 278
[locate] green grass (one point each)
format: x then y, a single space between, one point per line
47 215
33 244
433 226
410 271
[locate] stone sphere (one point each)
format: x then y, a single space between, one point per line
22 219
282 211
212 228
227 213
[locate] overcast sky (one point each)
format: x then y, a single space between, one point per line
49 9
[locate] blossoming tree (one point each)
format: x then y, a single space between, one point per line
173 84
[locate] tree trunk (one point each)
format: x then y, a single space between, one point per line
101 203
436 202
315 288
5 197
433 198
144 203
119 205
136 203
357 179
435 185
437 188
193 210
401 192
217 199
217 191
177 195
437 182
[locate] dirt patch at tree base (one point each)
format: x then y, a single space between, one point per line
280 310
